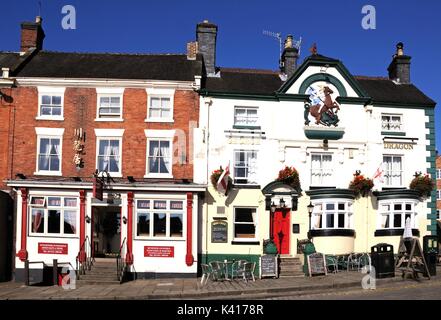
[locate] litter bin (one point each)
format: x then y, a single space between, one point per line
430 250
308 249
382 257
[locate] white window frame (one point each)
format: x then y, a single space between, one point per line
246 108
438 194
49 133
391 213
160 93
322 171
348 212
110 134
256 224
111 93
62 209
50 91
385 170
390 115
151 211
163 135
247 166
438 174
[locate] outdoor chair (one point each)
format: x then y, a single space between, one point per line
206 273
331 263
237 265
353 262
247 271
218 270
365 261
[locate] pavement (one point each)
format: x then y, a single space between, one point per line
189 289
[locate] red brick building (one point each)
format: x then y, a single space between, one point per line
76 120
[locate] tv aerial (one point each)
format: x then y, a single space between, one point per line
276 35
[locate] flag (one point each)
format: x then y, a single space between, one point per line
379 173
222 183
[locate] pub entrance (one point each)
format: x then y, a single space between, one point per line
106 231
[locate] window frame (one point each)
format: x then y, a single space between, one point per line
247 167
256 224
438 174
101 138
321 154
391 213
162 135
50 91
248 126
168 212
49 133
385 170
107 117
46 208
390 115
160 96
438 194
348 212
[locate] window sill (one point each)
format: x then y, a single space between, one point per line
165 176
180 239
57 118
393 133
48 173
246 186
53 235
160 120
332 233
394 232
109 120
115 175
253 242
243 127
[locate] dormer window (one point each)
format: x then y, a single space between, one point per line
391 122
246 118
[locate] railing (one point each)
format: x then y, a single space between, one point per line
121 266
85 258
26 269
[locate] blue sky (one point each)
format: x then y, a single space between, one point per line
166 26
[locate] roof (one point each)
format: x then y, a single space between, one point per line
8 59
112 66
386 90
245 81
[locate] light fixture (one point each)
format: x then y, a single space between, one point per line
124 220
87 219
282 203
325 143
273 207
131 179
310 209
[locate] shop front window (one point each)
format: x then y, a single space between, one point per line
393 215
160 218
332 214
53 215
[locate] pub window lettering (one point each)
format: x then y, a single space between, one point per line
53 215
159 218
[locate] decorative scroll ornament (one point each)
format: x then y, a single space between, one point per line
78 147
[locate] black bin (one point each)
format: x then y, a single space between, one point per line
430 250
382 257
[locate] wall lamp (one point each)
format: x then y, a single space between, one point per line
131 179
88 219
124 220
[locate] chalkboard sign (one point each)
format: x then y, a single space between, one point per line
269 266
219 232
316 264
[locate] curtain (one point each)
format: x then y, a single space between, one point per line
153 156
45 147
252 166
36 215
384 221
327 169
114 155
165 156
55 155
104 155
70 218
396 175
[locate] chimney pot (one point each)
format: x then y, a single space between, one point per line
288 64
399 68
192 50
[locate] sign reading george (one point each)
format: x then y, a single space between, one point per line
398 146
268 266
52 248
159 251
219 232
98 187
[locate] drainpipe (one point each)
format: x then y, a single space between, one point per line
189 259
23 253
129 254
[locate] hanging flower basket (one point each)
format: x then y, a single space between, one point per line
423 184
290 176
360 185
215 175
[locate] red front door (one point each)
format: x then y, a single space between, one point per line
281 230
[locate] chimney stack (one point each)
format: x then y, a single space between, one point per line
192 50
32 35
399 68
206 33
288 64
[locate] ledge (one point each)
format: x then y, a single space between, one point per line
393 194
249 243
330 193
395 232
332 233
321 133
246 186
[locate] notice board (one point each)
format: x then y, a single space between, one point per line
316 264
269 266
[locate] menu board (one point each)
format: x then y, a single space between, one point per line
316 264
219 232
269 266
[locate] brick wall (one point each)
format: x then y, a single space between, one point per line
80 112
5 110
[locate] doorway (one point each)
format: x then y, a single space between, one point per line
281 230
106 231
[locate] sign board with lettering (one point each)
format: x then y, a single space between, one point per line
159 251
398 145
98 187
219 232
52 248
269 266
316 264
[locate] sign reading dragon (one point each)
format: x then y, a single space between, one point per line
321 106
